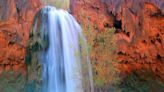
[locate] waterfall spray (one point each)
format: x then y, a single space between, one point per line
65 61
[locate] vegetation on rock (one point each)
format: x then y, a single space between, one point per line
12 81
102 47
143 80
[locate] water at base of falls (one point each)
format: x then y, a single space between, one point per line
66 68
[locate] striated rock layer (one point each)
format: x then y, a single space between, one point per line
16 17
139 30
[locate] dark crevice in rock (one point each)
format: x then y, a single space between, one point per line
17 8
159 57
157 14
128 34
118 24
96 73
106 25
11 42
152 41
121 53
159 40
144 41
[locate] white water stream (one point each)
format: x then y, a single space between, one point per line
65 68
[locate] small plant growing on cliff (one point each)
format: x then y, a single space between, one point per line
12 81
102 48
106 72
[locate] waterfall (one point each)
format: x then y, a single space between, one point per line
65 61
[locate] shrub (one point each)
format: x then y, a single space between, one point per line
12 81
141 81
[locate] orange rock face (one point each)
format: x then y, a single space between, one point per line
16 17
144 46
139 30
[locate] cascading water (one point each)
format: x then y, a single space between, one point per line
66 66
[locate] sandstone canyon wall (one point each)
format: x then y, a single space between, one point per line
139 32
16 17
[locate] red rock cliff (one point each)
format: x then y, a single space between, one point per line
139 30
139 24
16 17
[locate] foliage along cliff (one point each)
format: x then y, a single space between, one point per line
139 38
